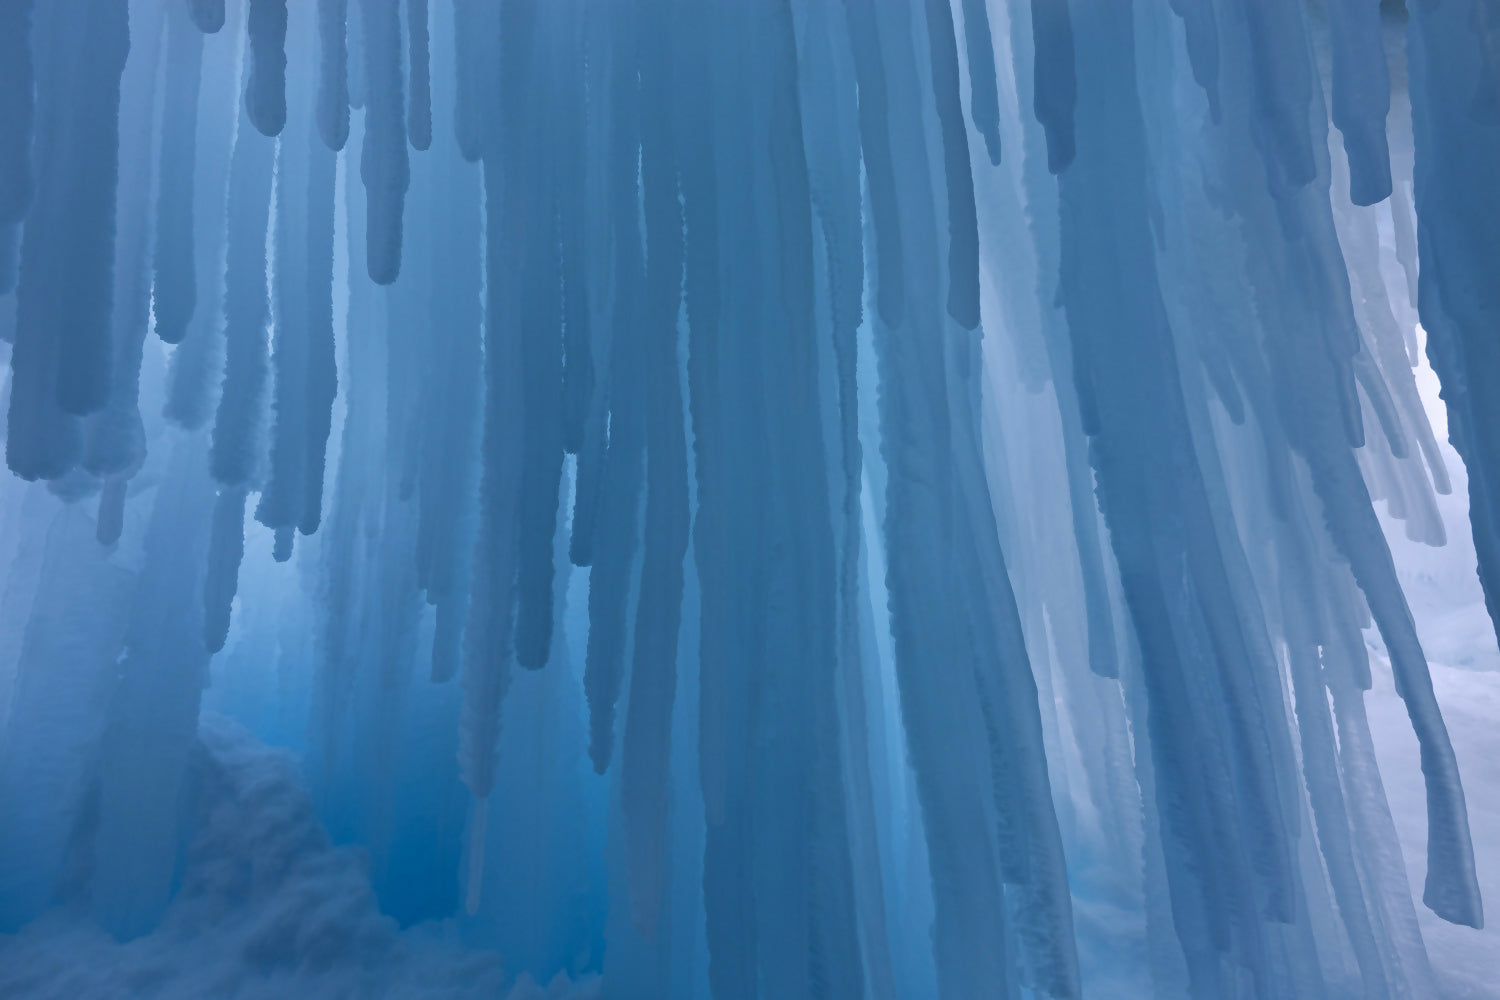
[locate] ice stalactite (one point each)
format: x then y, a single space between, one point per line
317 235
236 446
17 110
226 548
1055 85
207 15
1361 98
419 75
450 413
64 300
246 314
646 743
984 101
333 73
114 438
963 232
606 534
193 375
285 493
1453 93
152 727
489 642
265 85
57 713
875 146
383 161
174 264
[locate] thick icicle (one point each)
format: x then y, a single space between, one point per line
488 640
542 360
174 285
1361 97
617 517
285 491
875 143
152 730
333 73
193 374
383 164
265 86
963 232
226 547
322 366
984 101
61 363
75 199
1458 243
645 774
944 728
114 438
1056 88
17 110
419 114
208 15
237 422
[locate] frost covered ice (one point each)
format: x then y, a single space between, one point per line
793 498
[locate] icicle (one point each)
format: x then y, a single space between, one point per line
322 370
76 182
237 421
615 522
114 439
383 164
542 361
17 110
450 407
148 748
174 288
61 364
10 264
984 101
1361 97
645 774
226 547
488 639
963 233
1203 47
875 143
208 15
265 86
1277 41
111 518
474 21
286 490
477 829
333 73
195 365
1457 219
419 114
1056 90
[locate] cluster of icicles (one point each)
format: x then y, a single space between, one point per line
689 293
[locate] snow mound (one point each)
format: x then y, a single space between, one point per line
267 908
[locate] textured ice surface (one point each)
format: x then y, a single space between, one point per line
783 499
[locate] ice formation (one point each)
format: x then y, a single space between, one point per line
767 499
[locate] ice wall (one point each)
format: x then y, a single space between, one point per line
793 498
